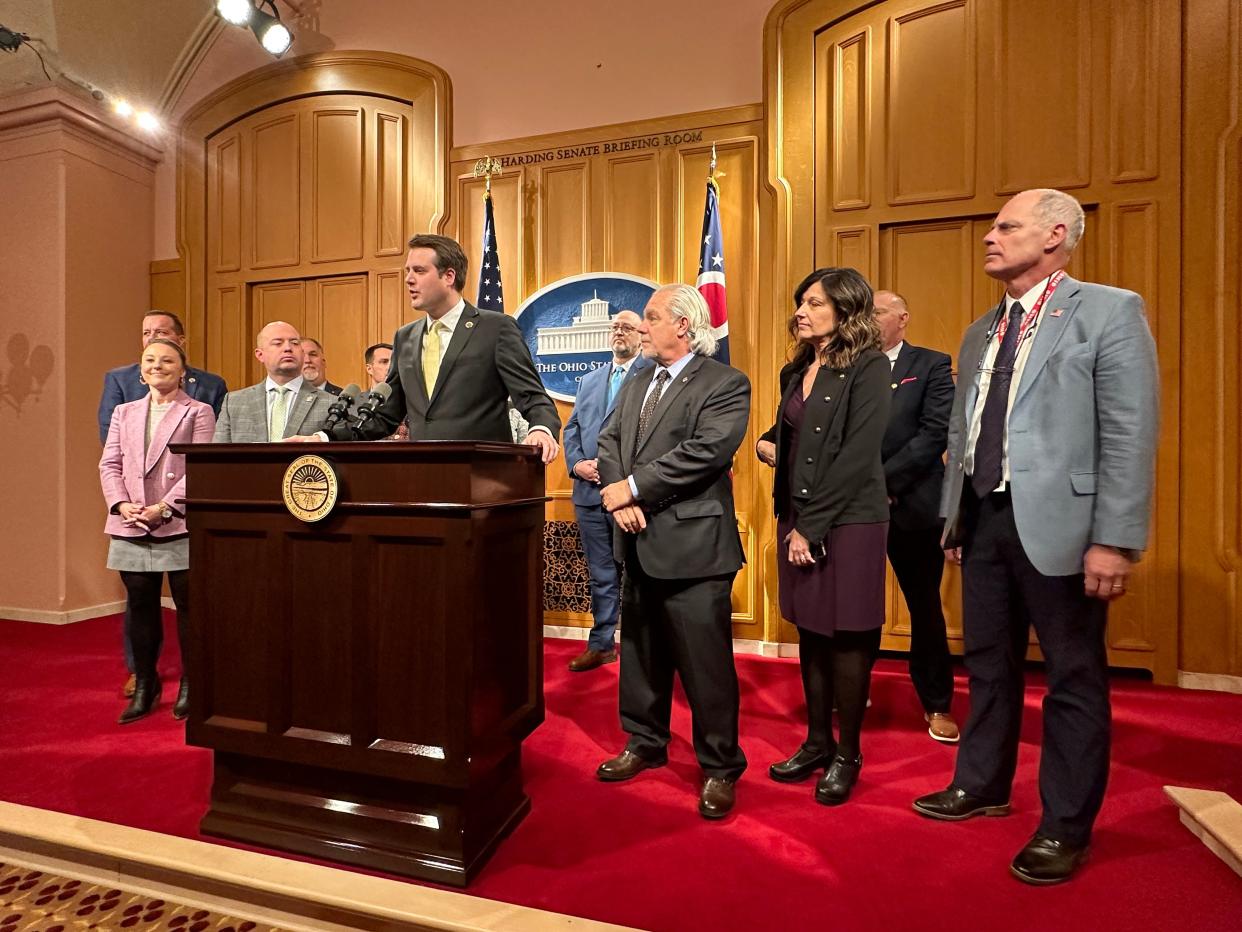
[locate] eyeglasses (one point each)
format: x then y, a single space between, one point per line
623 329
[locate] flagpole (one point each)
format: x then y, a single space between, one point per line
490 293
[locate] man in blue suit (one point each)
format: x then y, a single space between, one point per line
124 383
597 395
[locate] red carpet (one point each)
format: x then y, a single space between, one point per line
639 854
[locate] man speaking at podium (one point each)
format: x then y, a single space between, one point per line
454 371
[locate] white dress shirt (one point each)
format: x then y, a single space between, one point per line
892 353
448 324
985 380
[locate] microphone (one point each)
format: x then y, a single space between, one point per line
340 408
372 400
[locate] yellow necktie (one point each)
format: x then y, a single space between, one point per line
431 356
276 424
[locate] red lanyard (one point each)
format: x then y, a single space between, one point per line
1029 317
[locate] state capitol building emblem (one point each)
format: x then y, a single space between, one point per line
567 325
310 488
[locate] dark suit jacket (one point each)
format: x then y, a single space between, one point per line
591 411
330 388
835 476
681 469
917 435
486 364
124 383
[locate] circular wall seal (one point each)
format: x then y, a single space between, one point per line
310 488
566 325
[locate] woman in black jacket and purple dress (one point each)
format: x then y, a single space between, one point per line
832 510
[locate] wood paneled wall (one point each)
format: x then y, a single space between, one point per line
298 186
629 198
897 129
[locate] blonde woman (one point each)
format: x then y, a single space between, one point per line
143 482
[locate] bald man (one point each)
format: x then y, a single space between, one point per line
284 404
913 451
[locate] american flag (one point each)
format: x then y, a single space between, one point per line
711 280
491 292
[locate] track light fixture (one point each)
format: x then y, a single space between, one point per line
272 34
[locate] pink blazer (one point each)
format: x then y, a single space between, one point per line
128 474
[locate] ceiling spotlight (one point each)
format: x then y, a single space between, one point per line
147 121
122 108
271 32
237 12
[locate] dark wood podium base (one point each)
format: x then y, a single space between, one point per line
411 829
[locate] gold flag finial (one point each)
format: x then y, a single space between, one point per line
712 174
485 168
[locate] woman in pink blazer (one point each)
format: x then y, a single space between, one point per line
143 484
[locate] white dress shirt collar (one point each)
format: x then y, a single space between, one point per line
893 353
294 385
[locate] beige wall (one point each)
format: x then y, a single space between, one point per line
76 282
576 64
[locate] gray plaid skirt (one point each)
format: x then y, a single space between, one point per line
149 555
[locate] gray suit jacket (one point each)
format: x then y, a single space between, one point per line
243 416
681 469
1082 427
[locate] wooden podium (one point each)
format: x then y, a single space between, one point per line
365 681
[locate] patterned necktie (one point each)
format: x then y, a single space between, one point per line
990 445
649 406
280 408
614 384
431 356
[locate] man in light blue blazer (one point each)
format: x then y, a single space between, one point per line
1047 496
597 396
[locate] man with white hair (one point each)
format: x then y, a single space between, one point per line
664 461
1047 497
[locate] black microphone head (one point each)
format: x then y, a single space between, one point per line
383 390
351 391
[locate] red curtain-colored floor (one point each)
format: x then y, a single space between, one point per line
639 854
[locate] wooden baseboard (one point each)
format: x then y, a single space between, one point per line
1215 818
288 894
10 613
1219 682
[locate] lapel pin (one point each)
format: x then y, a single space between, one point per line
1058 312
469 324
193 380
894 385
685 379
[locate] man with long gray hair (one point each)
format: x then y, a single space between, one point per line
664 461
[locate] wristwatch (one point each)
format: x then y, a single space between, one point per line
166 513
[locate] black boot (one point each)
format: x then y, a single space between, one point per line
146 695
834 786
181 708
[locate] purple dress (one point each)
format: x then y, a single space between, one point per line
843 591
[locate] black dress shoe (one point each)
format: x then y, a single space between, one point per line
716 797
146 695
954 805
181 708
1046 861
797 768
625 765
833 788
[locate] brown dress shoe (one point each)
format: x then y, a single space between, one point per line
127 691
716 797
624 766
590 659
940 725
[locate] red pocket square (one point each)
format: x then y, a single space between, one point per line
913 378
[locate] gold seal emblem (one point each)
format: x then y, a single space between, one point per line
310 488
